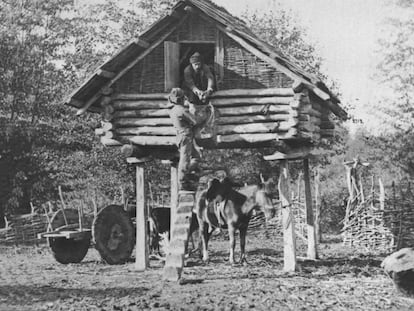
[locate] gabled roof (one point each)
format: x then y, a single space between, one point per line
87 95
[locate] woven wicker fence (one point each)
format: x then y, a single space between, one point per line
379 220
23 229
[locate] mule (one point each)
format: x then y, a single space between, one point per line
220 206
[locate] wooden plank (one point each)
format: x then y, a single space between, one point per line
254 110
171 65
287 156
289 239
258 100
138 96
256 138
141 249
141 104
312 247
68 234
281 92
147 130
278 92
256 119
151 140
318 231
129 122
110 142
142 113
274 127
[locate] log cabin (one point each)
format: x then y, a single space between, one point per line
263 99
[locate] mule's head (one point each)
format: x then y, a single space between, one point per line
218 191
264 196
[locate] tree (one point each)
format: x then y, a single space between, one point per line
47 49
396 75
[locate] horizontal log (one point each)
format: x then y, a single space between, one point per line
256 138
153 96
141 104
327 125
235 120
253 92
220 102
243 101
217 94
132 151
254 110
256 119
327 132
128 122
150 140
110 142
274 127
147 130
142 113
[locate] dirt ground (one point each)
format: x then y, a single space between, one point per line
342 279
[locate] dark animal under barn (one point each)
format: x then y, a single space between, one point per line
221 206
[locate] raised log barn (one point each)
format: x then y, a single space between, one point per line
263 100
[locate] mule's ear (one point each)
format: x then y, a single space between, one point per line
262 180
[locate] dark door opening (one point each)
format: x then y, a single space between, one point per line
188 49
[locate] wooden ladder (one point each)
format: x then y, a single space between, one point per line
174 263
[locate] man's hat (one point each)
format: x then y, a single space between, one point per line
195 58
175 94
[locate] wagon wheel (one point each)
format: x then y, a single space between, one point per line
65 250
114 234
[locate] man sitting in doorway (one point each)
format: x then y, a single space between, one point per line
199 85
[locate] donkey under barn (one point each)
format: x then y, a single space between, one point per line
220 206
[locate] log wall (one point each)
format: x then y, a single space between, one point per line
245 117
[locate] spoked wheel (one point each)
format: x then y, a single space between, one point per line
114 234
66 250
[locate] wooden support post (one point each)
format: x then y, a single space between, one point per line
289 239
174 192
174 262
141 248
318 231
312 248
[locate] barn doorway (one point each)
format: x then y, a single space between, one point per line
188 49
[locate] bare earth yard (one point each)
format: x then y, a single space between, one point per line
342 279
